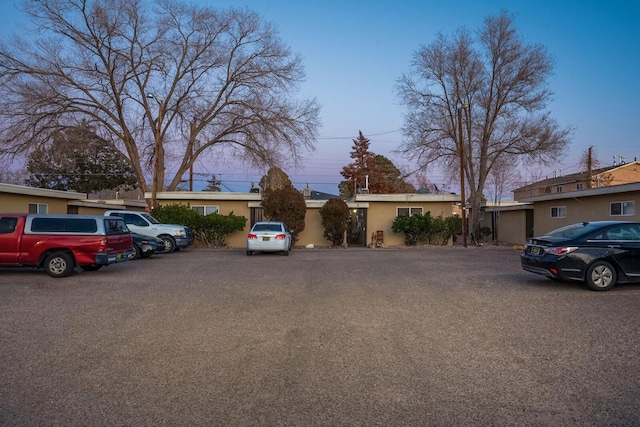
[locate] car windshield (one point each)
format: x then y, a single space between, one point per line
267 227
573 231
149 218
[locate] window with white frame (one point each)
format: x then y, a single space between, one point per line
558 212
627 208
559 189
206 209
408 211
38 208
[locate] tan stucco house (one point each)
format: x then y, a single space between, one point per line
371 214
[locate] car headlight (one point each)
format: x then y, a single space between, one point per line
181 233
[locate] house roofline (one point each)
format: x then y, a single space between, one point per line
610 189
41 192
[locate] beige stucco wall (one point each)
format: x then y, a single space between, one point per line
380 217
511 226
237 239
18 203
593 208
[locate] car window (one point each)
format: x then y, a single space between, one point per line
625 232
115 226
267 227
572 231
8 224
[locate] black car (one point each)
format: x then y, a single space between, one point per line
600 253
146 246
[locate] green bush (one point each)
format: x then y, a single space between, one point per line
285 204
425 228
210 230
335 216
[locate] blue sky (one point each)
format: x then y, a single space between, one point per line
355 51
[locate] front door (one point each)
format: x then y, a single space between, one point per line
357 228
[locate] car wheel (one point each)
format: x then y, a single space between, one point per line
169 244
285 253
91 267
138 252
59 264
249 253
601 276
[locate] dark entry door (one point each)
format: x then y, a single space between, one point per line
528 223
357 229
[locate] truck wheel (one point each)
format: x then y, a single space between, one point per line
59 264
169 244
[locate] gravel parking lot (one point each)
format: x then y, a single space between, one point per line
428 336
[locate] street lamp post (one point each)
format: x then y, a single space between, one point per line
157 133
462 197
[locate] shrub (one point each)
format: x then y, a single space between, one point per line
285 204
210 230
335 216
425 228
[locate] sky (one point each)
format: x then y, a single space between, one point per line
354 52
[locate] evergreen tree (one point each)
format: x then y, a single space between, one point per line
78 159
213 184
368 170
281 201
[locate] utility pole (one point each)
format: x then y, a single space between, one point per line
589 166
462 197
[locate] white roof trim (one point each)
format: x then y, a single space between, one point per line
41 192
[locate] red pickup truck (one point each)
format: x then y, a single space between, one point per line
60 243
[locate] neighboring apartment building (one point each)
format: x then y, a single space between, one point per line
534 216
617 174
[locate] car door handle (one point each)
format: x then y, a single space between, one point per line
613 246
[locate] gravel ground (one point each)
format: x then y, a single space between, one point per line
332 337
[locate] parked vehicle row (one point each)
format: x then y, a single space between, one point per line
61 243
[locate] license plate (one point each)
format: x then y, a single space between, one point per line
265 238
535 250
118 256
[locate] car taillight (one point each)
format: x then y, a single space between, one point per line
562 250
281 236
252 236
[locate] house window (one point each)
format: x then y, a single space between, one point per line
400 211
558 212
627 208
206 210
559 189
579 186
38 208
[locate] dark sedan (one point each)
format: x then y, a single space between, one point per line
145 246
600 253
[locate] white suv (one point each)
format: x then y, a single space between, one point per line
174 236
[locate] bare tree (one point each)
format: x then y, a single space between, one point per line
160 80
484 99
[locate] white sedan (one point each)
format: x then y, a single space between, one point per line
269 236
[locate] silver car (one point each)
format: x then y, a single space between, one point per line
269 236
